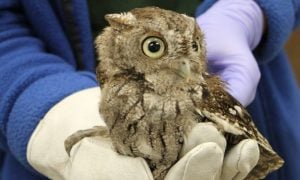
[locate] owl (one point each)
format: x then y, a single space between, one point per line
156 87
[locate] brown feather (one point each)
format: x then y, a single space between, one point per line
149 103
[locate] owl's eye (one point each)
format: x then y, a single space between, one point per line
153 47
195 45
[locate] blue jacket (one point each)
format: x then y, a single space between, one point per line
46 54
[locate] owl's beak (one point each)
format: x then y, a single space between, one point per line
184 69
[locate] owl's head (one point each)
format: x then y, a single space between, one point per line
153 43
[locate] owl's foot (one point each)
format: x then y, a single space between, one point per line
79 135
160 172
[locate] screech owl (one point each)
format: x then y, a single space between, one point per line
155 88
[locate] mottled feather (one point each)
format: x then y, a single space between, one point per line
155 87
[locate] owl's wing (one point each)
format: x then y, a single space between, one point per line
221 108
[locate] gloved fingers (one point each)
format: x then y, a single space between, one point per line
203 133
240 160
202 162
94 158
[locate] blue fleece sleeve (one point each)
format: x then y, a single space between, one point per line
282 17
32 80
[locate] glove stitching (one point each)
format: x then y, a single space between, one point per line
187 163
186 167
239 160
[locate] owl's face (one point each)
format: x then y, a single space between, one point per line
154 43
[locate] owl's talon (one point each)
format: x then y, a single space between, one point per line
69 143
79 135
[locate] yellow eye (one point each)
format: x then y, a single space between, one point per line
153 47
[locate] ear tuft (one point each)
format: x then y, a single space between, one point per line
122 19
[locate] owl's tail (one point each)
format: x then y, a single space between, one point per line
269 161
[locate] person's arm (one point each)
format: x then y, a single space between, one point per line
281 19
242 34
44 99
32 80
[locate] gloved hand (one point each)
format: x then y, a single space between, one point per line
205 158
91 158
94 158
232 28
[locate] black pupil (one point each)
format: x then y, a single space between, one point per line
154 46
194 46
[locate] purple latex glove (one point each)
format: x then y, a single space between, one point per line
233 28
